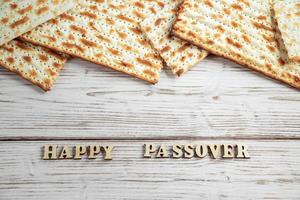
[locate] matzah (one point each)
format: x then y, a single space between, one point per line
36 64
241 30
287 15
179 55
103 32
19 16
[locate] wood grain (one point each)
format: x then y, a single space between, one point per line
217 98
272 172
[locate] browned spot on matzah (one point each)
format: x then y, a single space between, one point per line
226 11
138 14
261 17
122 35
161 4
268 38
27 59
71 37
24 10
183 47
236 44
152 10
114 52
43 58
220 28
234 24
262 26
158 21
13 6
50 72
139 4
165 49
109 21
88 43
9 49
93 7
89 15
149 73
144 62
246 38
39 2
144 42
50 38
73 46
281 61
42 10
122 17
78 29
209 3
10 60
102 38
126 64
23 46
57 65
272 49
58 32
47 81
180 72
4 20
99 55
32 73
136 30
53 21
19 22
236 6
67 17
245 2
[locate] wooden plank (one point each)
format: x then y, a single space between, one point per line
216 98
272 172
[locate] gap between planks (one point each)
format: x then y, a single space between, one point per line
145 138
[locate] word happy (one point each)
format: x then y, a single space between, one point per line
52 152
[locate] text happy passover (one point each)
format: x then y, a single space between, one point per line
77 152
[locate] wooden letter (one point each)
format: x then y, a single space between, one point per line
162 152
188 151
79 151
108 149
93 151
177 151
201 150
228 151
50 152
242 151
149 149
65 153
214 149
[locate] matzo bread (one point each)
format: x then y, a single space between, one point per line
287 15
19 16
241 30
36 64
102 32
179 55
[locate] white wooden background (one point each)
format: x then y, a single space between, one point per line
217 101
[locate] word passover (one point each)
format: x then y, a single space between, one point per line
196 150
77 152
